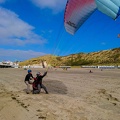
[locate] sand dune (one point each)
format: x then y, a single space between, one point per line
74 94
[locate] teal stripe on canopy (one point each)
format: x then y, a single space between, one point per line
109 7
117 2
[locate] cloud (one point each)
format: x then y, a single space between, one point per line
9 54
103 43
2 1
14 31
55 5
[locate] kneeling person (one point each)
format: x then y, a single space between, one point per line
37 84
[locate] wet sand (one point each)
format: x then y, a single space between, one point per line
74 94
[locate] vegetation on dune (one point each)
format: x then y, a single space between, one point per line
106 57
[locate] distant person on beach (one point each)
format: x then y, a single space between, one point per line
37 84
90 71
28 77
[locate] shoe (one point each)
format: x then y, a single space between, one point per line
28 92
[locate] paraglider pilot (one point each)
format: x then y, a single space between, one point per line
37 84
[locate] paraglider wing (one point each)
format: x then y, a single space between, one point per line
109 7
76 13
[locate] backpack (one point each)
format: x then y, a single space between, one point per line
35 84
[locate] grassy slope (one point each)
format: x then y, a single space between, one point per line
106 57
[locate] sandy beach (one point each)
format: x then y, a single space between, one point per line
74 94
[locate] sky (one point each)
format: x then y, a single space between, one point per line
33 28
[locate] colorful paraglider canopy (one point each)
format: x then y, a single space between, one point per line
78 11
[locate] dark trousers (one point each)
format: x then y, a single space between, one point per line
42 86
39 89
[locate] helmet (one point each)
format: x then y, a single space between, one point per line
38 73
29 71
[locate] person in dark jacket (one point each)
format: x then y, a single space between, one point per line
37 84
27 81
